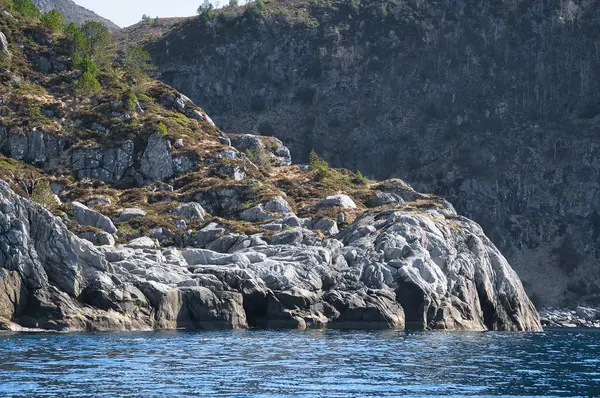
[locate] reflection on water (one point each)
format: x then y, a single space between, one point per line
300 363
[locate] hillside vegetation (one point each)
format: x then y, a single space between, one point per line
80 123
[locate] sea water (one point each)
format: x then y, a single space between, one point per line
315 363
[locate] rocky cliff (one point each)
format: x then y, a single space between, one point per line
123 206
491 104
389 269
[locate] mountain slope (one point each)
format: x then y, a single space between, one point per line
74 12
491 104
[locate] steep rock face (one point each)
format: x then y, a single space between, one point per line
33 146
490 105
103 164
73 12
431 270
112 164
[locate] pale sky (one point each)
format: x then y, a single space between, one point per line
128 12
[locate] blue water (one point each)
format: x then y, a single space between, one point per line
300 363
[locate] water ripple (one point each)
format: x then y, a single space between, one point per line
300 364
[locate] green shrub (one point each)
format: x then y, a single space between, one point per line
361 178
383 10
137 62
98 42
206 10
76 42
88 65
53 20
161 129
26 8
260 157
233 3
255 10
87 84
42 194
319 165
130 102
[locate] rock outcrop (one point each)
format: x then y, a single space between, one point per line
4 51
111 164
581 317
389 269
86 216
253 145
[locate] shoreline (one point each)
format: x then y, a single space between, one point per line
581 317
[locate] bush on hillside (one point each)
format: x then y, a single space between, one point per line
161 129
206 10
130 102
318 164
26 8
137 62
98 42
76 41
360 178
42 194
87 84
53 20
261 158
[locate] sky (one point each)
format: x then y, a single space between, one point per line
128 12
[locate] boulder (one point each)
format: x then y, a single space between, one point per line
178 144
341 200
289 237
383 198
255 214
190 211
142 243
86 216
98 238
209 234
249 143
327 226
278 205
130 214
